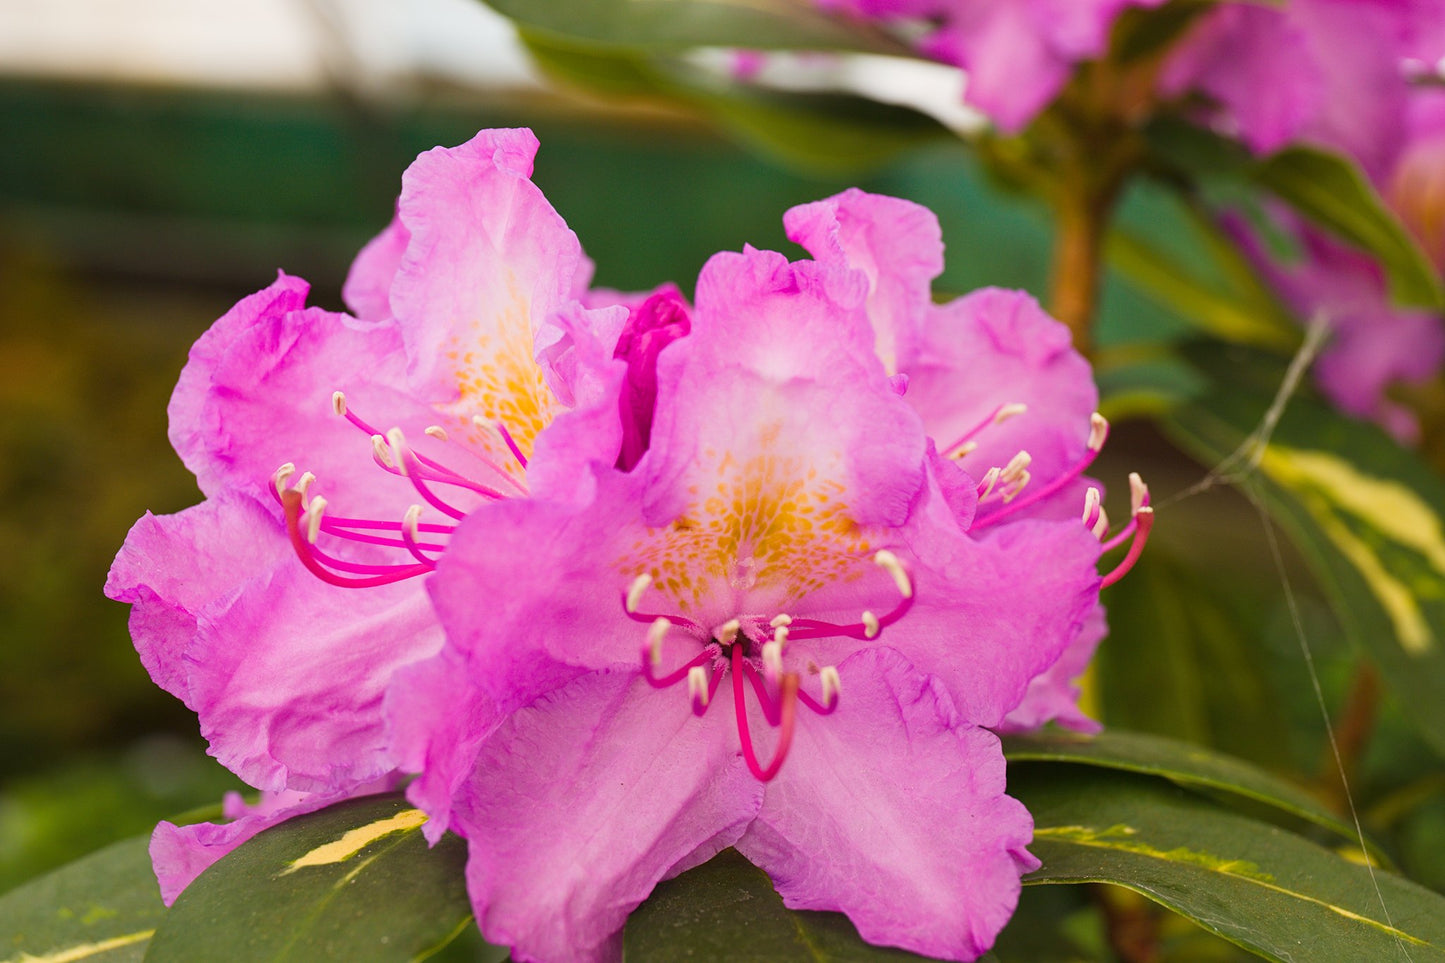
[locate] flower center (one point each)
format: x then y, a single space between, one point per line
753 647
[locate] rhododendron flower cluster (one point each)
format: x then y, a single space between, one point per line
627 580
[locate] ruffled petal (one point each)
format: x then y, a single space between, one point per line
1053 696
852 822
583 801
367 289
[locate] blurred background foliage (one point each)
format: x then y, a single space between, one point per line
132 216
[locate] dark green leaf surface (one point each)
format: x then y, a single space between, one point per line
352 882
1368 517
727 911
680 24
104 907
1255 884
1187 765
1333 192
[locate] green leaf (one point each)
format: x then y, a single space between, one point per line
104 907
1190 766
727 911
682 24
1367 516
1333 192
1252 883
352 882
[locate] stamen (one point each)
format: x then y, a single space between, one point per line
656 634
727 633
282 476
780 635
871 628
990 478
499 429
381 453
1091 507
1100 527
1018 486
437 432
773 659
636 590
1138 493
781 619
291 505
999 415
1145 522
303 484
788 703
1015 469
697 688
397 441
313 516
967 448
889 563
338 403
1098 434
410 534
832 685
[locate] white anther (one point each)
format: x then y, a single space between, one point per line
1018 486
410 520
871 628
489 426
1008 411
773 658
990 479
656 632
282 476
697 684
1091 504
727 633
1016 467
303 484
967 448
1138 493
437 432
338 402
780 635
1101 527
1098 431
781 619
383 454
636 589
889 563
831 684
313 518
397 441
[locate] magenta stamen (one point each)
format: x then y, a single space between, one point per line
771 711
1123 535
1039 494
816 629
291 502
973 432
425 492
361 568
788 701
512 445
1144 522
443 474
815 705
699 707
375 539
416 549
672 678
340 522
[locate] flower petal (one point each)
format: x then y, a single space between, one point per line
367 290
852 822
1053 696
583 801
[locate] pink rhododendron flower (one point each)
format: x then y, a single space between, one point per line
1327 72
1018 53
792 545
471 376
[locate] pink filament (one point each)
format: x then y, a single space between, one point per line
788 702
801 629
1145 522
672 678
974 431
1038 494
291 503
